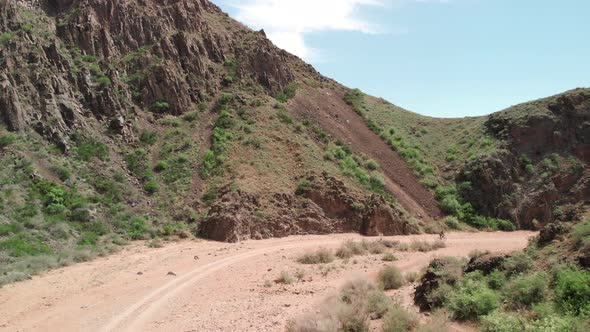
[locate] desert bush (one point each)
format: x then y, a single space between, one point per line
376 247
518 263
390 243
285 278
320 256
527 290
389 257
390 278
499 321
399 320
352 248
378 303
424 246
155 243
572 291
472 300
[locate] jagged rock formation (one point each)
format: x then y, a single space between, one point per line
102 58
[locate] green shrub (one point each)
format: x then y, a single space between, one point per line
88 239
20 245
372 165
151 186
398 319
527 290
88 148
472 300
148 137
376 182
284 117
6 37
496 280
557 324
572 291
320 256
209 163
7 139
160 106
518 263
390 278
103 81
498 321
581 233
137 228
452 223
161 166
302 187
190 116
288 93
62 172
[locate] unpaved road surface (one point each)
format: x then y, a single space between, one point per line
214 286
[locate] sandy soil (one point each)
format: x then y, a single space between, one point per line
215 286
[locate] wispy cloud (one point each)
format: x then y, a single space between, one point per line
286 22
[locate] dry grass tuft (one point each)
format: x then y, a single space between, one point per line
320 256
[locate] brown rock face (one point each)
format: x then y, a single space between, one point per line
502 186
103 58
327 207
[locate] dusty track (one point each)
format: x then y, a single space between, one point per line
222 290
327 108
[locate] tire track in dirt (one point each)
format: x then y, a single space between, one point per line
142 309
328 109
221 291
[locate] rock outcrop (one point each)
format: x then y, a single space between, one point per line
327 206
104 58
543 167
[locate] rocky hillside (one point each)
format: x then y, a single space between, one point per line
124 120
527 164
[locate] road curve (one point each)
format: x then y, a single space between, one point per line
212 286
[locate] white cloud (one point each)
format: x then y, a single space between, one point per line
286 22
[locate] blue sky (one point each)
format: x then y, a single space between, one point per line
444 58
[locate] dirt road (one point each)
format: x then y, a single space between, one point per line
211 286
